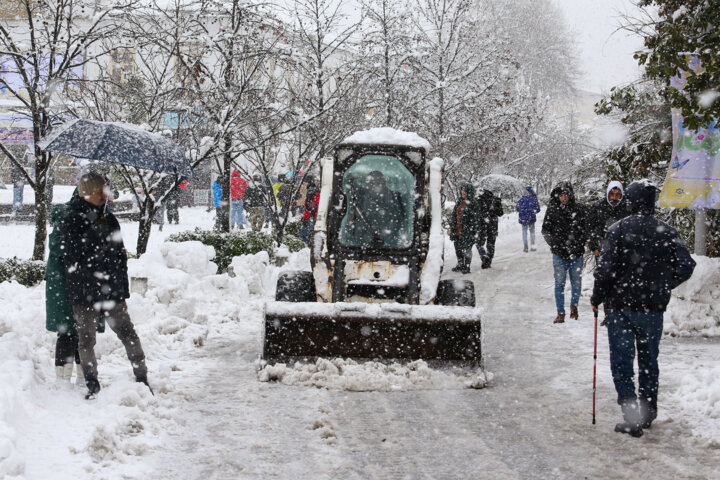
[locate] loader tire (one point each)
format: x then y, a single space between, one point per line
456 293
297 286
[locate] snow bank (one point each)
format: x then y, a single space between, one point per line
694 308
340 374
22 342
182 306
699 396
388 136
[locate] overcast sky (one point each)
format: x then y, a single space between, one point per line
606 55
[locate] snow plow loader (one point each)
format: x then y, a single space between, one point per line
375 292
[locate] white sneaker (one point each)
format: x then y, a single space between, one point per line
79 376
532 248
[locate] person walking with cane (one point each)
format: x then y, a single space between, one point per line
642 259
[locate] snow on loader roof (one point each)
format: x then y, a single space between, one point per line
387 136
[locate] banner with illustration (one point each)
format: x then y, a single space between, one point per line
693 178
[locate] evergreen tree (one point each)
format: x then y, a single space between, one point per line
685 27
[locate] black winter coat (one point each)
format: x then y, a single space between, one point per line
95 257
490 210
642 258
600 217
565 227
256 196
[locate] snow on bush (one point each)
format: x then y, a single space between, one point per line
346 374
191 257
694 309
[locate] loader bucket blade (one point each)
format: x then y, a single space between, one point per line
371 331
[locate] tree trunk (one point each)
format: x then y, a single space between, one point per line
41 207
40 221
226 197
144 227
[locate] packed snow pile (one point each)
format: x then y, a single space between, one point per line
699 393
190 257
694 309
388 136
346 374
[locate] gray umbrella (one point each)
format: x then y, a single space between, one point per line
503 185
118 143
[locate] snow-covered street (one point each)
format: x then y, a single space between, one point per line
212 418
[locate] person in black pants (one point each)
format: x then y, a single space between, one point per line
465 225
97 278
490 210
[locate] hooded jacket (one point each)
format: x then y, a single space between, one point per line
642 258
527 207
470 219
565 227
95 259
217 193
603 214
490 210
237 186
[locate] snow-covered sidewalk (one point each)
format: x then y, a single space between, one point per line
212 418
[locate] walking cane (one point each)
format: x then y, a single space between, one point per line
594 365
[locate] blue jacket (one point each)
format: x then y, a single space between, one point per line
217 194
527 207
642 258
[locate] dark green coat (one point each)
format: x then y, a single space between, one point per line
471 220
58 309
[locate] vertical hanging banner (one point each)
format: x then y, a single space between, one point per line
693 178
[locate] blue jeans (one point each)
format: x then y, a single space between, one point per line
17 198
626 329
305 231
236 213
562 267
531 228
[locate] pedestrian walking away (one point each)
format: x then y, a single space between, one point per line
527 208
642 259
255 202
97 279
238 185
565 231
172 206
312 200
490 210
17 177
465 225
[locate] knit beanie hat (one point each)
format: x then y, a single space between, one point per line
90 182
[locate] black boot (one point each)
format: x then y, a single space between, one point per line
145 381
631 417
93 388
648 413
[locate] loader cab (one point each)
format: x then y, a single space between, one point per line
376 220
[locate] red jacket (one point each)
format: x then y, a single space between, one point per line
312 201
237 186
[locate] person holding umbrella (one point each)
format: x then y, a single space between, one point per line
97 279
